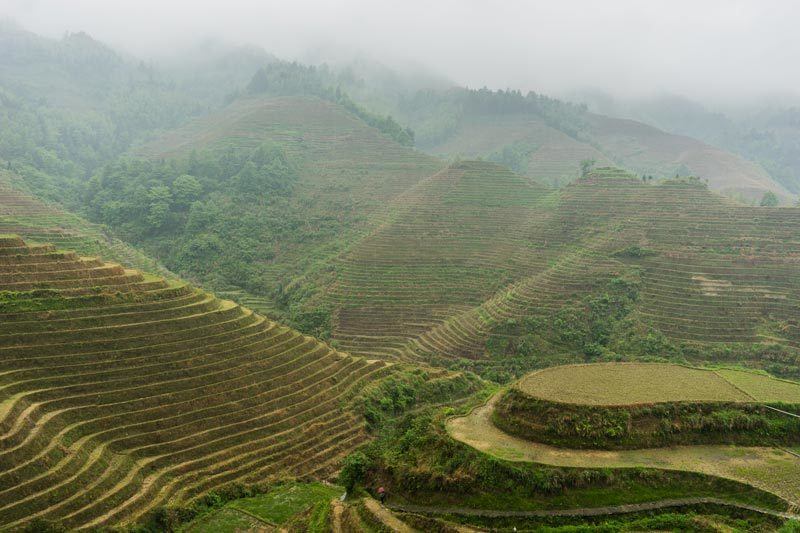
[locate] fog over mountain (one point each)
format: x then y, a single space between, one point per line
717 51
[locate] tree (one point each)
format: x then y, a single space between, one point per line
770 199
185 190
586 166
160 199
354 470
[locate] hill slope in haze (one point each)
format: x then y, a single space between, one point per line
549 143
767 133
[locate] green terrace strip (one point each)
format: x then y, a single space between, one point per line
121 393
701 516
640 405
274 508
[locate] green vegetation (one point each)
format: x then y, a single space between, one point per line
280 504
643 425
769 199
422 464
409 388
187 210
226 520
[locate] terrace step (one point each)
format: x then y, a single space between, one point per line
114 402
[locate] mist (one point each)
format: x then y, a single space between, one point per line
717 52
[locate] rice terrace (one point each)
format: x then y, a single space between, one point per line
637 383
312 267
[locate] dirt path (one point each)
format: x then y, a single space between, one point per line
337 509
386 517
587 511
770 469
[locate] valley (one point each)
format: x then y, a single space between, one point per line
242 293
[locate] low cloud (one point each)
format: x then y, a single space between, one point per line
714 51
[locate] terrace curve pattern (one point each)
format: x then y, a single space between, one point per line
120 392
476 245
36 221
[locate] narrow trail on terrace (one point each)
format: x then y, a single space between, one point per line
587 511
386 517
770 469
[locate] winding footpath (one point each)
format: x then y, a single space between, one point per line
587 511
769 469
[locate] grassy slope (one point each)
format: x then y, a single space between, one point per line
762 387
627 143
280 504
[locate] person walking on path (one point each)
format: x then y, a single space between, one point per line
382 494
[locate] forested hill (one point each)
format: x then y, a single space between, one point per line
69 106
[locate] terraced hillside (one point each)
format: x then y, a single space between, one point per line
697 274
451 242
35 221
347 172
553 156
120 392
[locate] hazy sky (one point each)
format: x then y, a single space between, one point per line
713 50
